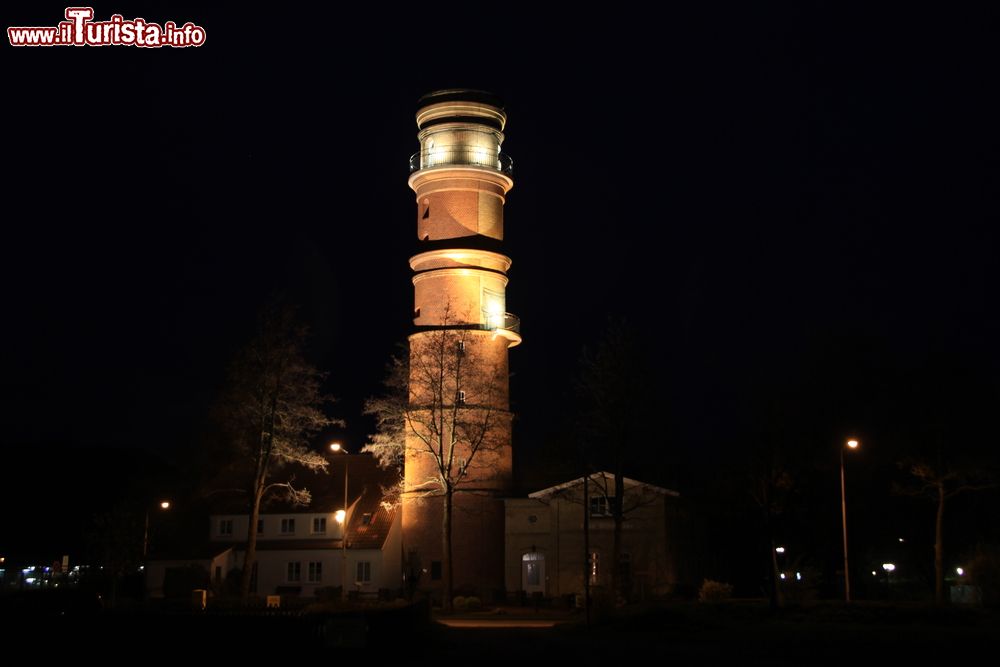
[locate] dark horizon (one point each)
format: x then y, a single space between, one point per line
804 233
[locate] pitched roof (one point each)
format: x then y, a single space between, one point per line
603 478
370 534
365 480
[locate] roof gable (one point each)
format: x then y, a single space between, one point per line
603 478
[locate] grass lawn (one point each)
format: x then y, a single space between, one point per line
749 633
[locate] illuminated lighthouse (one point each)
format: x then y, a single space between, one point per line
458 441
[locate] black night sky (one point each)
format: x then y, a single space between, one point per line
796 206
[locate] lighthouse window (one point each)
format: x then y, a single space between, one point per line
427 213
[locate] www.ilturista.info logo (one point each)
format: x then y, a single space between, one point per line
80 30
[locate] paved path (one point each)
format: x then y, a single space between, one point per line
497 622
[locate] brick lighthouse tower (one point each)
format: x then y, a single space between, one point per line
458 440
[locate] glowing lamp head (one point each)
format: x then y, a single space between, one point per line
165 505
852 444
340 515
780 550
335 447
888 567
958 570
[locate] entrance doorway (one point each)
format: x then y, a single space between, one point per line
533 573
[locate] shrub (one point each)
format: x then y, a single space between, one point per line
714 591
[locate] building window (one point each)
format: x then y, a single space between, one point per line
599 506
594 567
288 526
260 526
435 570
366 519
364 572
493 306
460 397
218 575
295 571
225 527
319 525
315 572
532 518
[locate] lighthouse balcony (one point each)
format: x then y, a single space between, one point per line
509 328
462 156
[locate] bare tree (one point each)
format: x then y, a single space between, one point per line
388 443
616 418
271 407
456 420
770 486
941 483
115 542
626 501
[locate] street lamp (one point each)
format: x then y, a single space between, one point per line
851 444
164 505
341 517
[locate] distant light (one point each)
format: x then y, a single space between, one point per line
782 575
780 550
853 444
29 580
960 571
874 573
47 569
335 447
165 505
339 516
901 539
798 576
888 567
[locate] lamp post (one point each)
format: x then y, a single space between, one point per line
888 567
851 444
341 516
163 505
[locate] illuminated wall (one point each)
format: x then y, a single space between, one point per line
461 178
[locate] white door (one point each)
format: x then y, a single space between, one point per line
533 573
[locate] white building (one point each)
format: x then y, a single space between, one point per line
301 549
545 539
